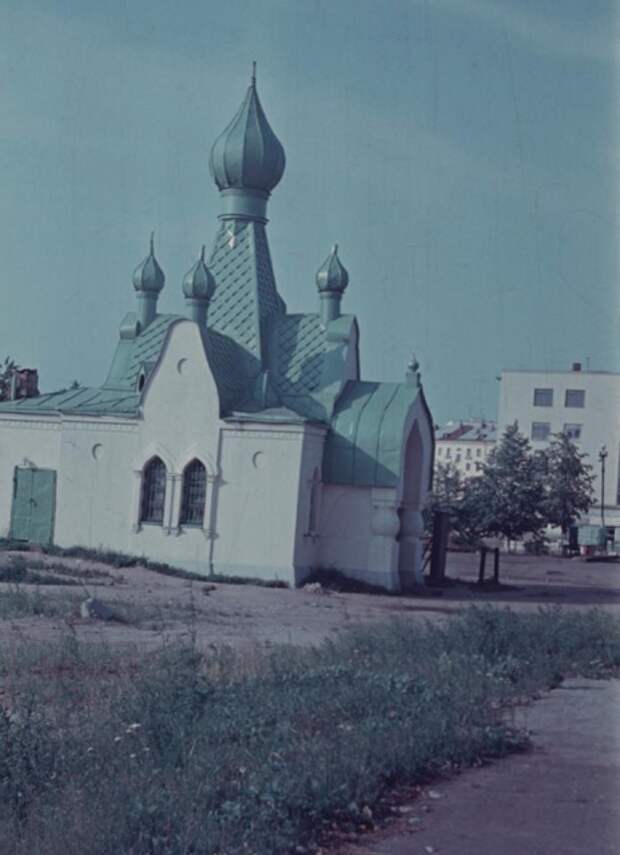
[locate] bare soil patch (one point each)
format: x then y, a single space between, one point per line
162 608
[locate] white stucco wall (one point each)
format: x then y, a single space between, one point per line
259 513
24 442
93 495
345 534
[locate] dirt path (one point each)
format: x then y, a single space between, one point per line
561 798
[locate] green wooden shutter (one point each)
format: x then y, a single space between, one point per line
43 506
20 511
34 505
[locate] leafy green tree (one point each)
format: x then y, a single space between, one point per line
511 492
458 497
447 490
569 483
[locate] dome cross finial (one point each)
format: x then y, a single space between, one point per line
152 243
254 73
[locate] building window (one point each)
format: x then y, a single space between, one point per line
540 430
543 397
572 431
458 457
468 454
575 398
448 452
440 452
478 466
478 452
153 492
194 492
468 466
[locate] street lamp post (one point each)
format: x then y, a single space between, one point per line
602 456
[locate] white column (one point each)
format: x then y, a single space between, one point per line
135 501
383 552
410 557
172 504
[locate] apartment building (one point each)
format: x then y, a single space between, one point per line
583 404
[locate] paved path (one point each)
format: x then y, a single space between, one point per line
562 798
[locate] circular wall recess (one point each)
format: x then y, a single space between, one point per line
97 451
258 460
182 366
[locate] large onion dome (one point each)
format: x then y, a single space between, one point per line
148 276
198 283
331 276
248 155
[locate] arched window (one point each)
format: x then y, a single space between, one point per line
153 491
194 491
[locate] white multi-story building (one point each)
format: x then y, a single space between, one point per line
465 444
583 404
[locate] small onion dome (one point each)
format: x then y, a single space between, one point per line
413 365
198 283
248 155
332 276
148 276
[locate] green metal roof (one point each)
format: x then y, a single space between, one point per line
135 352
364 445
85 400
245 297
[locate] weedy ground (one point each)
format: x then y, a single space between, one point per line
179 752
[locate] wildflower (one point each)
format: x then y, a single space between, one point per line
118 739
135 726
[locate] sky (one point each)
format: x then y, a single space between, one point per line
462 153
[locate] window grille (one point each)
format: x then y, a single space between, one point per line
153 492
543 397
575 398
194 493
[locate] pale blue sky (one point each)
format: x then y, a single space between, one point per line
461 152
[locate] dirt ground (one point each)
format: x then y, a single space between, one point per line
164 608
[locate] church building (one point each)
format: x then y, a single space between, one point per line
233 438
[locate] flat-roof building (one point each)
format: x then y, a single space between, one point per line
583 404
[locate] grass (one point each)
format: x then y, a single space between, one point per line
221 754
123 559
244 580
17 602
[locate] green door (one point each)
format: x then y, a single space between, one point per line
34 503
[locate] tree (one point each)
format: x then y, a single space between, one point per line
459 498
7 369
511 491
447 489
569 485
